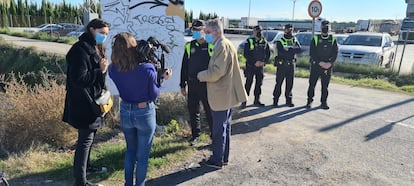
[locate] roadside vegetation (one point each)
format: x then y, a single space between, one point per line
39 36
36 144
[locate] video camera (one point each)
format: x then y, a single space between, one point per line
147 50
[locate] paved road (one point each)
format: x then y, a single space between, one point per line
366 138
52 47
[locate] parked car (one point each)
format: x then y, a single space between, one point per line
340 38
38 28
76 33
304 39
61 29
271 37
367 48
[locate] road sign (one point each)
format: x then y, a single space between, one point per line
315 9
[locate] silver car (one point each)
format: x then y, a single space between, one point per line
367 48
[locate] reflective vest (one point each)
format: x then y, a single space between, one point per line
251 42
287 42
316 39
188 48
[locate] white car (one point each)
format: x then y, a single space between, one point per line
367 48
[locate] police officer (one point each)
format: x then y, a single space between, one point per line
257 53
323 53
287 47
196 58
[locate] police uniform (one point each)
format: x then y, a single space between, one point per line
196 58
323 48
255 50
287 47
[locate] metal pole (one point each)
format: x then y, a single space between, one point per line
293 12
402 55
395 54
248 17
313 27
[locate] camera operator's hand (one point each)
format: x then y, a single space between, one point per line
167 74
103 65
183 92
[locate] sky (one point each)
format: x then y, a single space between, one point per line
334 10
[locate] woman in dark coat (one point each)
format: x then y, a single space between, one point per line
86 71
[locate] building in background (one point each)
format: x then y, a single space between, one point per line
248 22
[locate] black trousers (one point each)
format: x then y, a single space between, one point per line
284 72
197 92
82 154
325 75
250 73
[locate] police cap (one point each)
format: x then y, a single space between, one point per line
198 24
287 26
257 28
325 23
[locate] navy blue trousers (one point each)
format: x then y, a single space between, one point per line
221 136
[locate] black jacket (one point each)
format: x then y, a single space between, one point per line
256 50
323 49
196 58
293 48
83 71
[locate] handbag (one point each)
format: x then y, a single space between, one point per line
101 105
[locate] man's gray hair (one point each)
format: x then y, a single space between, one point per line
215 24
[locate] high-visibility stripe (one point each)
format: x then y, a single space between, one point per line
284 41
316 39
188 49
210 49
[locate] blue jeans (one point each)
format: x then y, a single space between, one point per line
221 136
138 126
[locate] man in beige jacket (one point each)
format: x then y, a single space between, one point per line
224 90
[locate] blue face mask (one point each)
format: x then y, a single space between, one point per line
209 38
197 35
100 38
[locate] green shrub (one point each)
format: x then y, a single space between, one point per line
172 106
408 88
402 80
28 60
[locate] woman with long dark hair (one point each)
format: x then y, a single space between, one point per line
136 79
86 69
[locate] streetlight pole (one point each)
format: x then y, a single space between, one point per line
293 12
248 16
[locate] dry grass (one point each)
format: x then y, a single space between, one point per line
32 115
172 106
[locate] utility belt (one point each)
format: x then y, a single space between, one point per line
284 62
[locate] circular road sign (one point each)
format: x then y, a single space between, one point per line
315 8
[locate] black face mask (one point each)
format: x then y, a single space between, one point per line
325 30
259 34
289 34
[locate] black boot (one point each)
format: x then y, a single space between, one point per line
275 102
289 103
324 106
257 102
309 104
